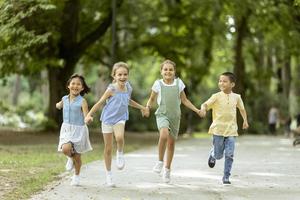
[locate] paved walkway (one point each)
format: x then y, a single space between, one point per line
264 168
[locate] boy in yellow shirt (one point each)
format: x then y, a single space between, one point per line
224 126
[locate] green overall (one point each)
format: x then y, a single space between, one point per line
168 113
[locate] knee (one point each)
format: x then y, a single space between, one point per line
66 150
164 133
218 156
119 139
229 155
108 150
171 143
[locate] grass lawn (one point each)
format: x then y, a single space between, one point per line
28 161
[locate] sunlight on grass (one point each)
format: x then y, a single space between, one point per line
201 135
29 162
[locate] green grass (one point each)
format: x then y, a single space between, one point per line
29 161
201 135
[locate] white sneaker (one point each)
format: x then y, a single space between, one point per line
158 167
120 161
75 180
109 181
69 164
166 175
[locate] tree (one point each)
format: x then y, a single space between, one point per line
57 38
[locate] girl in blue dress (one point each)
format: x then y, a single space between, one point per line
114 116
74 134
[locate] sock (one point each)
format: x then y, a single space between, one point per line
167 170
120 152
108 173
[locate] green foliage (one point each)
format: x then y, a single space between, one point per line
16 36
198 35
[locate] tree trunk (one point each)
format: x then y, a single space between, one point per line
286 76
206 59
239 64
58 78
295 86
44 88
16 90
70 51
113 32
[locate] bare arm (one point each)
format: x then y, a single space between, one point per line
85 108
59 105
134 104
241 107
188 103
205 106
89 116
244 116
150 102
143 109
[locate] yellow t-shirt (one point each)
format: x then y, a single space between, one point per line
224 113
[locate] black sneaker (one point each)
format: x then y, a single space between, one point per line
211 161
226 181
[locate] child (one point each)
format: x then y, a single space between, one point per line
273 119
114 116
169 92
224 126
74 134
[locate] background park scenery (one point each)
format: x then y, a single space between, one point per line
43 42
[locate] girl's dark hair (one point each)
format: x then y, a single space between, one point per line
230 75
86 88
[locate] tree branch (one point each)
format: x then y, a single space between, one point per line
89 39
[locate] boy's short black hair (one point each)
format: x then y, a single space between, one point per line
230 75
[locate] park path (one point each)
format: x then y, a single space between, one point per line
264 168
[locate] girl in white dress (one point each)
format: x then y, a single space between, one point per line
74 134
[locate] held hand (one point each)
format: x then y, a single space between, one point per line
245 125
88 119
202 113
145 112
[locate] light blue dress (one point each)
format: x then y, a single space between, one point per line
116 107
73 128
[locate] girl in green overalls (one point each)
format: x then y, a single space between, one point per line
169 92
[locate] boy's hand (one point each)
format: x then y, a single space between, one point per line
88 119
245 125
202 112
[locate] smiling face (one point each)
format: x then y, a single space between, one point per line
168 72
121 76
75 86
225 84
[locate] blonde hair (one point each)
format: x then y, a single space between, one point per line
117 66
168 62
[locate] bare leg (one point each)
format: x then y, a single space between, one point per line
119 130
67 149
163 136
108 144
170 151
77 163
